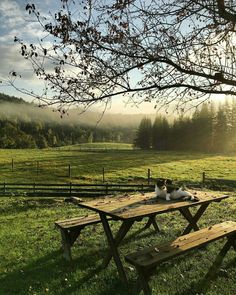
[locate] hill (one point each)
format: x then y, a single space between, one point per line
4 98
17 108
25 125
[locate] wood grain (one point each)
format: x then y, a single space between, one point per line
150 257
140 205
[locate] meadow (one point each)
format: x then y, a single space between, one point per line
31 260
120 162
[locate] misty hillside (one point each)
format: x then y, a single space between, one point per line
16 108
4 98
25 125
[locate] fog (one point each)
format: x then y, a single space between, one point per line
31 112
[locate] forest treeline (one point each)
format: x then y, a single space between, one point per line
211 128
22 130
19 134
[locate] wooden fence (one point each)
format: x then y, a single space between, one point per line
69 189
218 183
96 189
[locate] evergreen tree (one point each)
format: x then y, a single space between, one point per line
160 133
202 128
220 131
144 134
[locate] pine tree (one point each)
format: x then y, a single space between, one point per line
144 134
160 133
220 131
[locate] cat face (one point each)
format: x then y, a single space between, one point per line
162 182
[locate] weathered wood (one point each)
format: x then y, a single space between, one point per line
134 207
152 221
65 239
193 219
70 230
69 189
141 205
113 248
144 276
78 221
148 259
124 228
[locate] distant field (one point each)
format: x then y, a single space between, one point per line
120 161
99 146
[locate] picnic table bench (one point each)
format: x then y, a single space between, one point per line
70 230
131 208
145 261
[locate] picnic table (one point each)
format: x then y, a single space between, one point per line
129 208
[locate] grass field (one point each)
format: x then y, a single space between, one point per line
121 164
30 256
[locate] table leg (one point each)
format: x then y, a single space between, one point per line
193 219
66 245
124 228
113 248
152 221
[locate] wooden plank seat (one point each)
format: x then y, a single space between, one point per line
70 230
146 260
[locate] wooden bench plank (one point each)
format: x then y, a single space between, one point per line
147 259
151 256
78 221
70 230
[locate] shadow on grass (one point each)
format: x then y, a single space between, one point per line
23 204
41 272
52 273
44 272
204 284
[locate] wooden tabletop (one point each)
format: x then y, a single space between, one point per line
134 206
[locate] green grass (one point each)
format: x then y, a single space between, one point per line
123 165
31 260
30 256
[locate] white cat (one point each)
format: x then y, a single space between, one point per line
164 189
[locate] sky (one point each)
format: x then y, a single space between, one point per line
15 21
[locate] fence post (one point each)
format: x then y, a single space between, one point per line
34 187
203 177
69 171
106 188
12 165
37 167
70 188
149 175
103 174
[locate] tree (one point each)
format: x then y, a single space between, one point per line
144 134
147 50
160 133
41 142
202 128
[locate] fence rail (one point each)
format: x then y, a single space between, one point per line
218 183
69 189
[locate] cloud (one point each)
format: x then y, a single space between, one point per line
10 15
12 60
15 21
